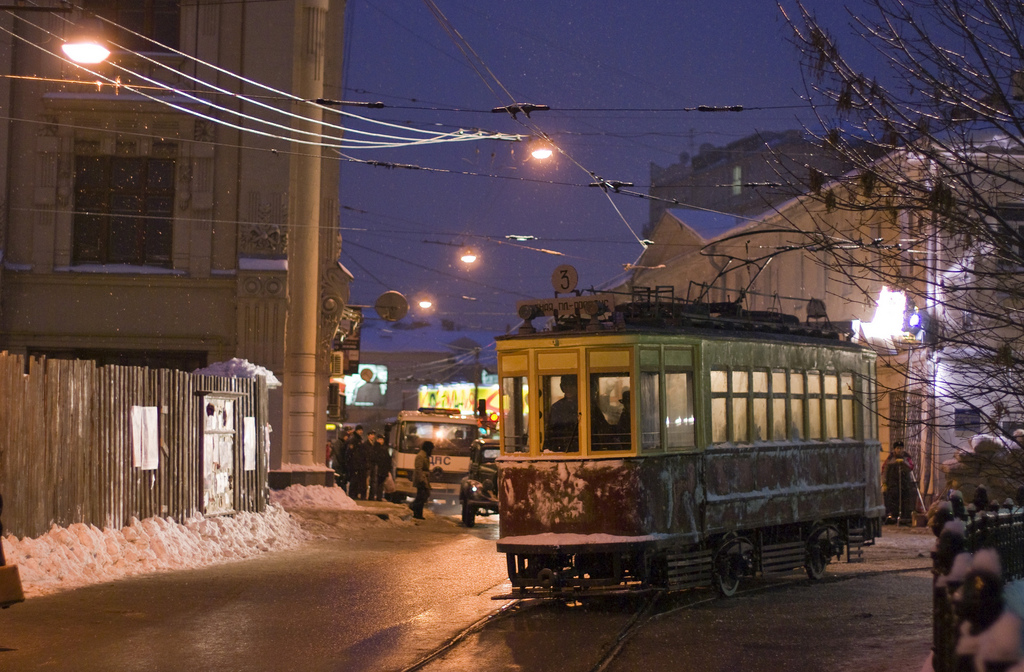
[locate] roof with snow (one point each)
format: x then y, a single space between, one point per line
239 368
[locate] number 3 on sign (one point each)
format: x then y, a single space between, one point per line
564 279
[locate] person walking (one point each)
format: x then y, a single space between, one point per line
421 479
380 468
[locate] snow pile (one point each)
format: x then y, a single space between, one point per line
80 555
239 368
312 497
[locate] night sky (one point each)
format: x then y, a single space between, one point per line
616 76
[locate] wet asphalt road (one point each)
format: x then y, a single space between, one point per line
379 595
869 617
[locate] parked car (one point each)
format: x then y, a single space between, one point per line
479 490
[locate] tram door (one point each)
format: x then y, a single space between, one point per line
218 453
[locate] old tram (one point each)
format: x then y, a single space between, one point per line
682 445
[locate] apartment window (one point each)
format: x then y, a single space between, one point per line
124 207
158 20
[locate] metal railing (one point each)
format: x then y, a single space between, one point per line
1002 531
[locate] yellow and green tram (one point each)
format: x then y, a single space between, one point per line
683 452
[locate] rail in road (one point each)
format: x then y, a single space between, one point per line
610 622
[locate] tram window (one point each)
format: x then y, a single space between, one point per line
515 422
719 399
778 405
650 411
814 405
740 425
831 406
846 404
560 404
610 426
679 410
796 406
740 428
869 407
759 386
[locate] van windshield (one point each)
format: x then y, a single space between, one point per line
448 438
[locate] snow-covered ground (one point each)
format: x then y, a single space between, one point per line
80 555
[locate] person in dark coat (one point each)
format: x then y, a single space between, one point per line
899 487
354 438
421 479
562 430
360 468
339 459
380 468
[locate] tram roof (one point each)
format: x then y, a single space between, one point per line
714 321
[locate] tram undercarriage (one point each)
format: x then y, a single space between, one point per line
721 562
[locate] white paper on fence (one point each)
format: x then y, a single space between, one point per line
145 437
249 443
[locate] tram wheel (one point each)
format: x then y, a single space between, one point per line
727 579
727 572
819 553
468 514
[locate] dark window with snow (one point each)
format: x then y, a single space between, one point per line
124 206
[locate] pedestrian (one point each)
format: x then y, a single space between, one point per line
354 438
380 468
361 466
898 487
339 459
421 479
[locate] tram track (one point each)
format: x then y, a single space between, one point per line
652 607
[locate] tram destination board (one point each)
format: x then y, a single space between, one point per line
569 305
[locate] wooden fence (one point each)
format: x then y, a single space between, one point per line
66 447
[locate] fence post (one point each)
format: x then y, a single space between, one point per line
10 581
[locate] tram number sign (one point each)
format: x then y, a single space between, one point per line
564 278
594 304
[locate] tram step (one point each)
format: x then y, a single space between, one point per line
689 570
855 545
779 558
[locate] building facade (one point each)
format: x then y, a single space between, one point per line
147 210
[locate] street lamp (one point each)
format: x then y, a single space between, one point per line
541 151
468 255
84 44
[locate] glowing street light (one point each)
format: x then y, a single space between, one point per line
468 256
84 44
425 304
541 151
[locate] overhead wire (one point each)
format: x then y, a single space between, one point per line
430 137
512 104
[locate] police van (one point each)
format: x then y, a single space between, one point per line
452 434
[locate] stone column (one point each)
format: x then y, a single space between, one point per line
300 416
